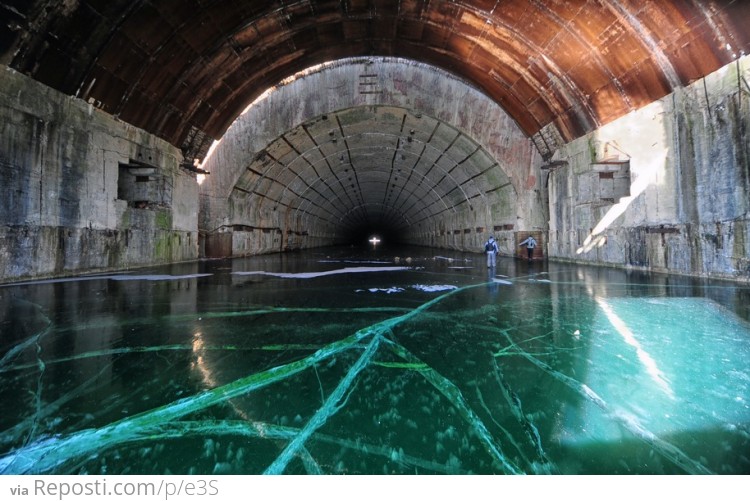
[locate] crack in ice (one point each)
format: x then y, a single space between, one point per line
667 450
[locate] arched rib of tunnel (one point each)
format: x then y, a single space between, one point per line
365 170
183 69
319 162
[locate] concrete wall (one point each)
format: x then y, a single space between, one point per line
666 188
67 203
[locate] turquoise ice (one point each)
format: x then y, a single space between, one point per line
548 370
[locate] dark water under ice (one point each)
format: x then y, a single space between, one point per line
424 365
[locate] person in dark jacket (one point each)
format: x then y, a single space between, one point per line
491 249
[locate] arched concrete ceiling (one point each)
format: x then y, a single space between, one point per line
365 167
427 152
184 69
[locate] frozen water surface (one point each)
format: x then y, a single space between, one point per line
280 364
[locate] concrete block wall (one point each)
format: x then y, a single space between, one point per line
687 207
65 205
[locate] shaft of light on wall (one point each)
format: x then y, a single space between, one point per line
201 177
645 178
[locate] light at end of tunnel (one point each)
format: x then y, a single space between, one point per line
374 240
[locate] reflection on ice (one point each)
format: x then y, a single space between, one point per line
628 421
115 277
657 376
692 344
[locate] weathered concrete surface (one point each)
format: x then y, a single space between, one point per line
686 209
67 204
295 119
664 188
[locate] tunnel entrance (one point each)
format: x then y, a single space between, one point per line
375 236
346 176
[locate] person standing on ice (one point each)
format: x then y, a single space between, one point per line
530 244
491 249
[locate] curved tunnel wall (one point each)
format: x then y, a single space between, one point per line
387 143
374 169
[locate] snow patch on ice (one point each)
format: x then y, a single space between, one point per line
315 274
352 261
389 290
419 287
433 288
157 277
451 259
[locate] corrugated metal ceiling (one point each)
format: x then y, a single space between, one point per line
184 69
